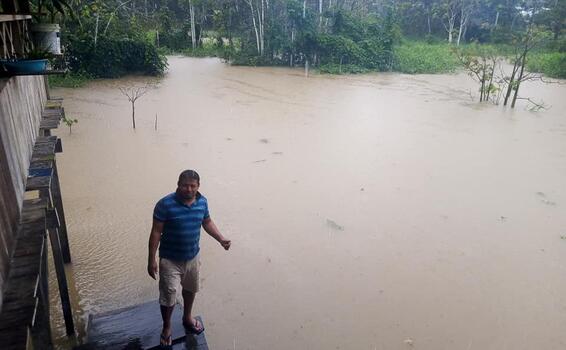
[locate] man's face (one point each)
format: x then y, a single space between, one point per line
187 189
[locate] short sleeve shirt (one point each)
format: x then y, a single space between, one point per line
181 226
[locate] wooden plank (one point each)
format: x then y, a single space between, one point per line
46 139
52 219
34 204
58 111
41 164
49 124
52 117
25 257
54 103
24 289
30 219
45 147
17 314
42 158
38 183
12 338
45 72
38 172
13 17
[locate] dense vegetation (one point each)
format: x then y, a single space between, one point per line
330 35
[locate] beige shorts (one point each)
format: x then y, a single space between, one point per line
174 273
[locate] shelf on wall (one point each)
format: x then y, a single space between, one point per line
47 72
13 17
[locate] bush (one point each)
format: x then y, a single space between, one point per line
113 57
69 80
551 64
176 39
419 58
210 47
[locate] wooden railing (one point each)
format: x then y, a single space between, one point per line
15 36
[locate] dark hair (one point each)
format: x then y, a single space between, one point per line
189 175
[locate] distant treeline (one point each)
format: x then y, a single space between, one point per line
111 37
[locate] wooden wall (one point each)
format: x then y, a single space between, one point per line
21 102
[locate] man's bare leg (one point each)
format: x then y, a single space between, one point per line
188 300
166 312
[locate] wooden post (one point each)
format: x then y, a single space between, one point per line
44 184
46 83
58 204
53 223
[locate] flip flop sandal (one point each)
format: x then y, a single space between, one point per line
190 328
165 343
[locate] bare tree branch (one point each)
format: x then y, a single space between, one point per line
133 93
536 106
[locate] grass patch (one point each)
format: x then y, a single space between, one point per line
69 80
332 68
551 64
422 58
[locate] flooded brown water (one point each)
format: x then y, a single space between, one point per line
370 212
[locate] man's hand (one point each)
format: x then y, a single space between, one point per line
152 268
212 230
225 243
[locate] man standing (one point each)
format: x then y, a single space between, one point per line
177 219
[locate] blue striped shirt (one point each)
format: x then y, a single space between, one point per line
181 229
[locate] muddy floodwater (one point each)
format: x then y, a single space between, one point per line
380 211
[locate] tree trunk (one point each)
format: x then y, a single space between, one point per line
304 8
511 81
134 114
519 80
262 28
291 58
493 63
319 15
451 12
255 27
463 22
96 30
496 20
193 30
329 6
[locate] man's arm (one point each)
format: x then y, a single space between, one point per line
154 237
212 230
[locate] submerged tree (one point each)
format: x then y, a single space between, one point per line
524 43
69 122
480 63
133 94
